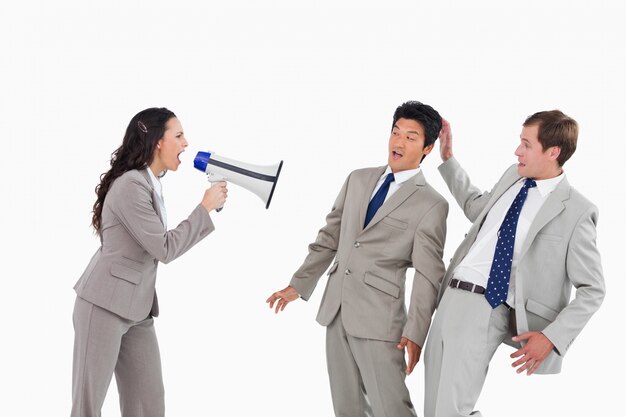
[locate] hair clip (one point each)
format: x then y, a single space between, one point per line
142 127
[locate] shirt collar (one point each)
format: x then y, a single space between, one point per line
401 176
155 182
545 187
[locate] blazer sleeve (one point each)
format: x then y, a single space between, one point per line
584 271
131 203
469 197
427 258
322 251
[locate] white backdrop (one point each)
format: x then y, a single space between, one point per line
314 84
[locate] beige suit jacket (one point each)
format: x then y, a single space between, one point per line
559 253
122 273
367 278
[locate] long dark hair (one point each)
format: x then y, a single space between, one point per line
136 152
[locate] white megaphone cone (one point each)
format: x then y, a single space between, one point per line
261 180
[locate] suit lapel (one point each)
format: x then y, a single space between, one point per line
369 183
503 186
507 183
550 209
405 191
155 197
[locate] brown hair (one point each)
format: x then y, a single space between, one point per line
135 152
556 129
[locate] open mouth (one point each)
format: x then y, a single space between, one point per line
178 156
395 155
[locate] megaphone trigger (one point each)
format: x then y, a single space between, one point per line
214 177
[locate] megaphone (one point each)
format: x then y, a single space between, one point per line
261 180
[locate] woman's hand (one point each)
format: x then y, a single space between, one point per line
215 197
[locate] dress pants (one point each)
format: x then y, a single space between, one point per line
106 343
463 338
366 376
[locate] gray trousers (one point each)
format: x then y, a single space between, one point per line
105 343
366 376
464 335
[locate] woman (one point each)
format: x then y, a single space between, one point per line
116 299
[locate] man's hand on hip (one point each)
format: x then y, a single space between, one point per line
533 353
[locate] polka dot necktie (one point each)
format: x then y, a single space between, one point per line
378 199
500 274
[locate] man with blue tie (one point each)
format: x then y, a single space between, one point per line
384 221
533 239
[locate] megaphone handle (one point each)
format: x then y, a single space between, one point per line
213 181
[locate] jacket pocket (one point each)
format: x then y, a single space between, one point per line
549 237
382 284
126 273
541 310
398 224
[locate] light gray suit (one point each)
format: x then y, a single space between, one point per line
559 253
116 299
363 305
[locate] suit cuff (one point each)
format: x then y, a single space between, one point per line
412 333
448 165
299 286
204 220
559 346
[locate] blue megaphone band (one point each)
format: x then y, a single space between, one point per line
201 161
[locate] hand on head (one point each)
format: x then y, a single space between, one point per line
445 140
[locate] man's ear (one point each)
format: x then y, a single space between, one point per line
554 152
427 149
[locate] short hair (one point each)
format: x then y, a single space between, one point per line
424 115
555 129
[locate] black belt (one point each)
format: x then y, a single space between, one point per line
468 286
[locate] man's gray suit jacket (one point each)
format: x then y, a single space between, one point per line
367 278
559 253
122 273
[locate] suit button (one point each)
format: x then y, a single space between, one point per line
357 244
348 272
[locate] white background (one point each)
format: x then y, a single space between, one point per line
314 84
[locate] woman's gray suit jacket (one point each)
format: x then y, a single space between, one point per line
122 273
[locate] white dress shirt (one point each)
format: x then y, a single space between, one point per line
156 183
398 179
476 265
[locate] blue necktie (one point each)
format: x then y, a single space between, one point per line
378 199
500 274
